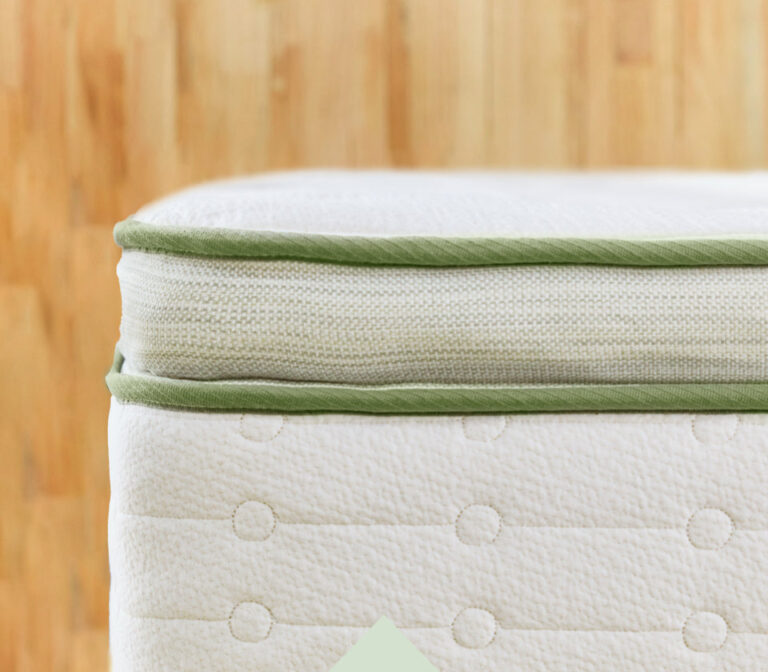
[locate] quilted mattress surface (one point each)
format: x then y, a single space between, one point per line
521 416
530 543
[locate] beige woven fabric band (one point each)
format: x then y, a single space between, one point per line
199 318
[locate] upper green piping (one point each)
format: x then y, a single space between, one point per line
283 397
442 251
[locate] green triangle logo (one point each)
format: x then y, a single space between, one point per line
384 649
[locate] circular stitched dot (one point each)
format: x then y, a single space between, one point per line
713 429
483 427
709 529
250 622
254 521
705 631
474 628
258 427
478 524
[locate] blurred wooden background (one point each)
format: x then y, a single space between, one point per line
105 105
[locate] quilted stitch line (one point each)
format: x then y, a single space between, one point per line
232 612
728 632
731 531
271 437
505 525
490 438
234 515
502 523
586 419
496 626
426 626
731 434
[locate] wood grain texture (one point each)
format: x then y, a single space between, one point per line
105 105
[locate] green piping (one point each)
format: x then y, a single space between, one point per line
264 396
442 251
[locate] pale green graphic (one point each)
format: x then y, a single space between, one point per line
384 649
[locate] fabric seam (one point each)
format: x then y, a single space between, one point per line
306 398
445 251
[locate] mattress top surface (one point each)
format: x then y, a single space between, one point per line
402 203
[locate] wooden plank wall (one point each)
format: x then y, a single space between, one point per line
104 105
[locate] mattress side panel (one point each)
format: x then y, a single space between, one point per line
186 317
586 542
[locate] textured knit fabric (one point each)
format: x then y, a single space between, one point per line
202 318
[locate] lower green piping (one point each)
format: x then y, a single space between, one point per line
285 397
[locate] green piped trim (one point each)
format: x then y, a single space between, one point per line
442 251
262 396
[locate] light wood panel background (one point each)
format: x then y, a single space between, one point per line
104 105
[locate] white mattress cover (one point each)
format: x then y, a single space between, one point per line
585 542
409 203
532 543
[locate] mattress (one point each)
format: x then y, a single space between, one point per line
489 300
521 416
